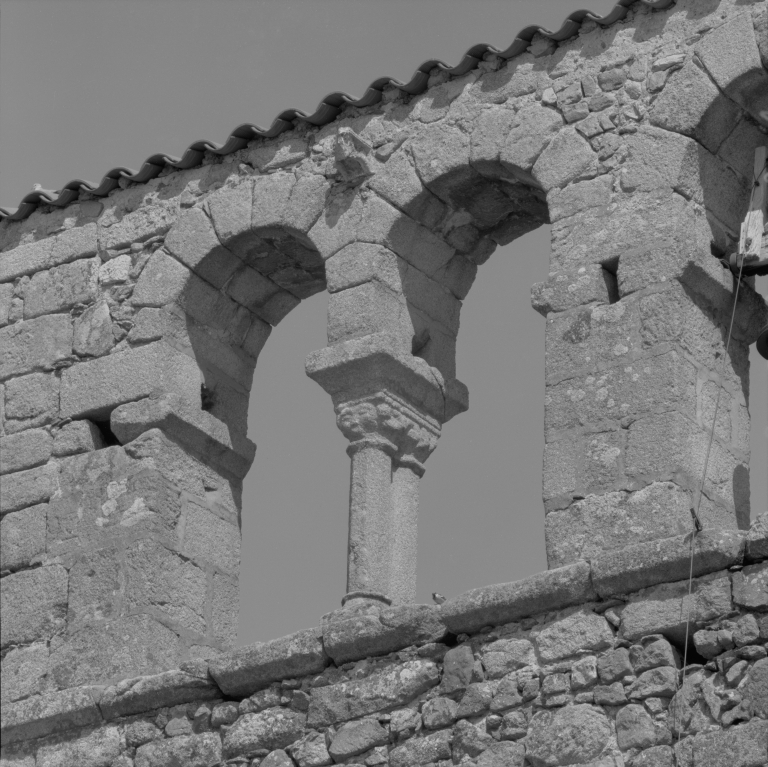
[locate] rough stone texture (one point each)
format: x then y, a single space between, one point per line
348 700
145 312
22 537
510 601
34 604
573 735
271 729
251 668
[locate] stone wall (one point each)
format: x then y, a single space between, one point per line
564 668
130 327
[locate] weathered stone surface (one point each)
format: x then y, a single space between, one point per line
691 104
584 673
634 728
568 157
571 735
95 748
755 690
750 587
59 289
25 450
652 652
254 667
506 602
169 688
77 242
468 740
96 387
439 712
53 712
29 487
348 636
744 745
656 756
30 401
646 564
530 131
505 655
663 609
730 52
34 604
35 345
458 665
270 729
140 732
503 754
22 537
278 758
356 737
431 748
757 539
614 665
578 630
77 437
25 673
92 331
476 700
311 751
381 691
190 750
658 682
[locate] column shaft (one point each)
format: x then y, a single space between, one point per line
370 521
404 546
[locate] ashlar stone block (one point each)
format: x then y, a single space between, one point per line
27 488
77 437
36 344
663 609
662 383
22 537
25 672
34 604
692 105
71 244
59 289
601 522
160 582
112 650
24 450
30 401
210 539
96 387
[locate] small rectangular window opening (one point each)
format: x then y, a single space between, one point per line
611 277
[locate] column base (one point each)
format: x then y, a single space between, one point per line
368 596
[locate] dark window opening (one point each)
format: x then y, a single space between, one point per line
611 277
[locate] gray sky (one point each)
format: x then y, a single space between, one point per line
87 85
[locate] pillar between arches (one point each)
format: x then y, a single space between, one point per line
391 407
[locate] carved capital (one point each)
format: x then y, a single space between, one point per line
388 422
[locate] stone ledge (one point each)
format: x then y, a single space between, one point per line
248 669
170 688
352 634
667 560
506 602
50 713
197 430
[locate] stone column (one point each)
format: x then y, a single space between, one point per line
391 406
386 435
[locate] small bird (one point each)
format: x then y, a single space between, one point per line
438 598
36 187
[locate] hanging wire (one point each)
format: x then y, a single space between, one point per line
697 526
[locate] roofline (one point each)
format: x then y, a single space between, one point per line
327 111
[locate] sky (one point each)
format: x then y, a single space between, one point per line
87 85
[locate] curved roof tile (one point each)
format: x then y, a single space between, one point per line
327 111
